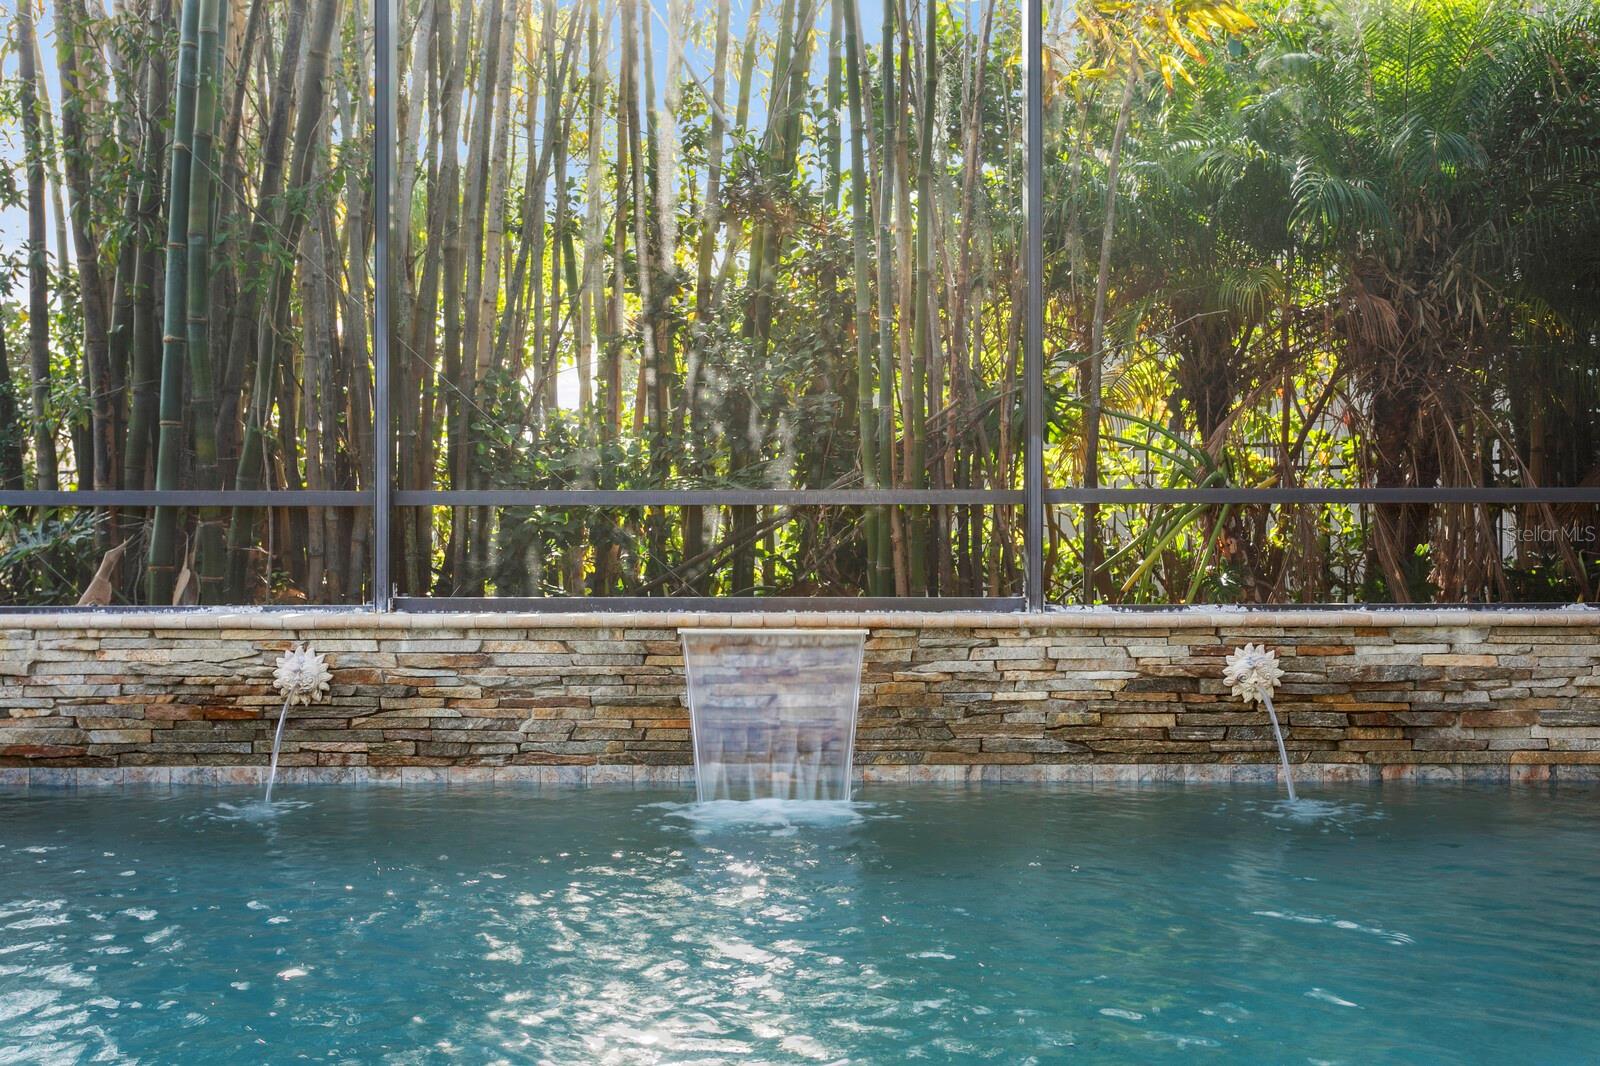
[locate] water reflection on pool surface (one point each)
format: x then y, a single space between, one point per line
612 925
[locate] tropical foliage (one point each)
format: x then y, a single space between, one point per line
780 245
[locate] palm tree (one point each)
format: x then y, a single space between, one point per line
1122 45
1402 126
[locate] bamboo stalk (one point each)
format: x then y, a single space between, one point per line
46 462
286 227
209 557
163 536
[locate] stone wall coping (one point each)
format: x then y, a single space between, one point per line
1059 619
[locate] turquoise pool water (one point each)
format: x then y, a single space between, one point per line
1012 925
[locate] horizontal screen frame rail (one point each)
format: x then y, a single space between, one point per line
979 497
200 610
186 498
692 604
1439 494
702 497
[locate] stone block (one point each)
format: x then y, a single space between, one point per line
1458 659
1499 719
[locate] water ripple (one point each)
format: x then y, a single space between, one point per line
1006 925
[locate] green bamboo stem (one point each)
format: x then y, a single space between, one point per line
860 241
882 563
162 566
210 555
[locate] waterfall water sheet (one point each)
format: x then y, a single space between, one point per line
773 711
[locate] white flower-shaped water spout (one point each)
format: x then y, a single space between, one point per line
1254 674
302 676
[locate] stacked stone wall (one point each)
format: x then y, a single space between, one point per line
601 697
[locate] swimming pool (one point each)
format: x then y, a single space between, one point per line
612 925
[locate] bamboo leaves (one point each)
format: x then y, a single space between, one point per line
706 244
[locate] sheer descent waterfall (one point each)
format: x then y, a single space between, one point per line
773 711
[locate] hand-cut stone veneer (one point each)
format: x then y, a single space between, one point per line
1068 694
